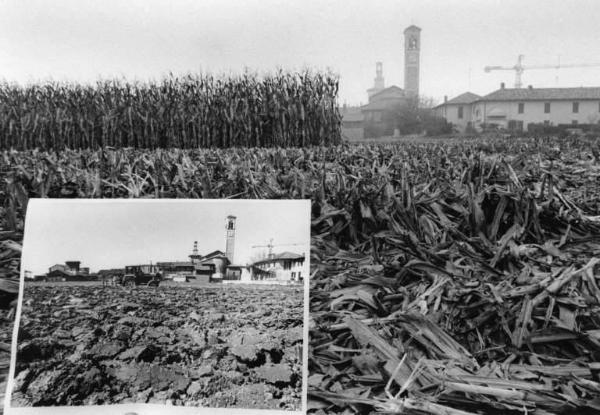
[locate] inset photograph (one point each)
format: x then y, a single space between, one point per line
169 302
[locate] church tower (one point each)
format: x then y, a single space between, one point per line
230 237
412 50
379 83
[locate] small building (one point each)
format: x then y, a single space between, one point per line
458 110
69 271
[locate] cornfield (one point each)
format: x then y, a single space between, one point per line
282 109
453 277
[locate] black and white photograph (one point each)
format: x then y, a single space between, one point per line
447 156
185 303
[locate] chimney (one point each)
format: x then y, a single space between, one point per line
502 85
530 86
445 98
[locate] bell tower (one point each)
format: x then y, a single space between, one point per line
379 81
412 50
230 237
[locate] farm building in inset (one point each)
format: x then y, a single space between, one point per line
69 271
283 267
218 266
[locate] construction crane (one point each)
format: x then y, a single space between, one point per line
270 245
519 68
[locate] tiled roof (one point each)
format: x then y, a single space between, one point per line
382 105
281 257
288 255
541 94
466 98
391 90
58 271
376 106
213 254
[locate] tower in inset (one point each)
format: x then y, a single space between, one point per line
379 83
412 50
195 256
230 237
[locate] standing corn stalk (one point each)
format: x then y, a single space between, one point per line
281 109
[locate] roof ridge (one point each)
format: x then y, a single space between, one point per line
385 89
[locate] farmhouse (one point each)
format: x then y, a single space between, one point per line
458 110
286 266
514 109
69 271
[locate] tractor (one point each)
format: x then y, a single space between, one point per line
147 275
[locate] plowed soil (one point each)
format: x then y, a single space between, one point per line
217 346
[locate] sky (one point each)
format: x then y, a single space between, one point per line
105 234
83 40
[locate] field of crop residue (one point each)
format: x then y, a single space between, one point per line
220 346
448 276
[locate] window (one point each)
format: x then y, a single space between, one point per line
546 122
287 265
521 107
546 107
574 122
460 112
575 107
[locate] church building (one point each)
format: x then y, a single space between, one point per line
379 116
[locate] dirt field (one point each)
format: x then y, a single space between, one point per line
217 346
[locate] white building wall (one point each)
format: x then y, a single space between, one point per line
561 112
451 111
246 275
293 273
